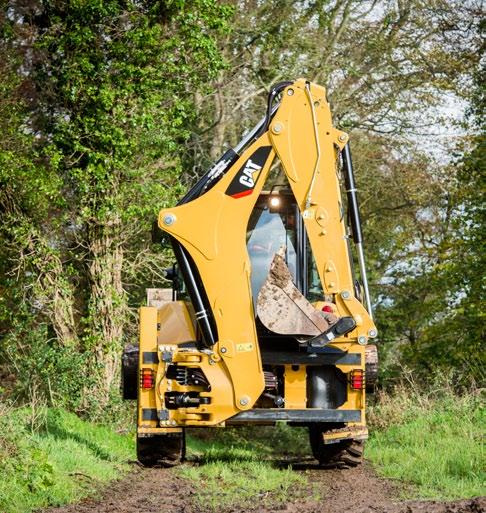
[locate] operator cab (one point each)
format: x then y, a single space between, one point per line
276 222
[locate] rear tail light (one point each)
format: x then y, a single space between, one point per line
327 309
147 378
357 379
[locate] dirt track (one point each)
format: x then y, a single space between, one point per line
357 490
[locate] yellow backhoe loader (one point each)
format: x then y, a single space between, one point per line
265 321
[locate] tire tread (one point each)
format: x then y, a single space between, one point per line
343 454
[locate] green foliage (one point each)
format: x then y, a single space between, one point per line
432 442
45 369
60 459
109 110
102 97
433 306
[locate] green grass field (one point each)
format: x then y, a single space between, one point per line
435 444
432 444
60 461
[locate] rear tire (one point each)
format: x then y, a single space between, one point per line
165 450
371 367
343 454
129 381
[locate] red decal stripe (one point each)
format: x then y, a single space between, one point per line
241 194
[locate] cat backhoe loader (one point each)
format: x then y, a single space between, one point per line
265 321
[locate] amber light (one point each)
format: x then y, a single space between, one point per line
147 378
357 379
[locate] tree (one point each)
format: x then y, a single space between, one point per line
107 100
388 67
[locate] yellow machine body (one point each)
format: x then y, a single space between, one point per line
303 138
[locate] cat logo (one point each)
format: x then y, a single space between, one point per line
245 179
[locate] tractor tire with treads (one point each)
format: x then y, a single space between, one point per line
344 454
165 450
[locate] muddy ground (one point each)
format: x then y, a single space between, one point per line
358 490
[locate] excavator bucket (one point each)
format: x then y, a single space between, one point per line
283 309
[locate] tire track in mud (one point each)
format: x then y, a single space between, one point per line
358 490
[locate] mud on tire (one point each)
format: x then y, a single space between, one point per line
344 454
165 450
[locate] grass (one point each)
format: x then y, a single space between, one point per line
235 467
61 461
430 442
433 442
